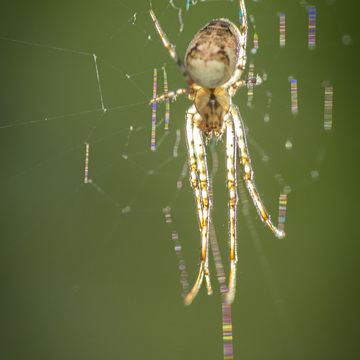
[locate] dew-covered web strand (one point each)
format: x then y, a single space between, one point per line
125 156
62 116
282 37
90 173
312 27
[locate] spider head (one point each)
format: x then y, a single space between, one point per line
212 106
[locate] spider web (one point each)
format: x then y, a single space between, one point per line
90 268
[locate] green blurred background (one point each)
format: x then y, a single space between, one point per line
81 278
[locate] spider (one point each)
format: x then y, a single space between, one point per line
214 62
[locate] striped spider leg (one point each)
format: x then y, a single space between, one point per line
214 62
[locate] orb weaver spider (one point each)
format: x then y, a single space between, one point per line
214 62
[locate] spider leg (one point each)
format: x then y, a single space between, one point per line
249 174
172 95
171 49
246 82
199 174
242 38
231 184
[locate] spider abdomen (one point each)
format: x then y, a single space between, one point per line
212 55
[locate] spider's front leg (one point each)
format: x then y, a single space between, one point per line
200 183
171 49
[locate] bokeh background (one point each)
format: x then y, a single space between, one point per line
89 270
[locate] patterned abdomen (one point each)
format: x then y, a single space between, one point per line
212 54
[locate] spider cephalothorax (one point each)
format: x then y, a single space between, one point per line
212 106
